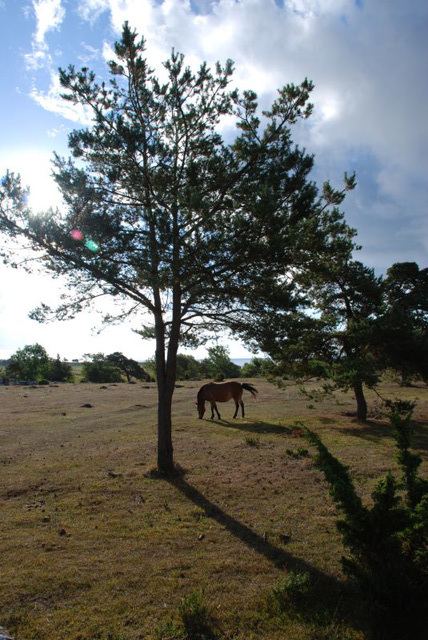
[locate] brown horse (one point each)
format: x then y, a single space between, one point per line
222 392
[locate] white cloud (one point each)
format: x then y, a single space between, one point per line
88 54
367 60
90 10
72 338
37 59
52 101
308 8
49 16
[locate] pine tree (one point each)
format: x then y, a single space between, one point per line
162 214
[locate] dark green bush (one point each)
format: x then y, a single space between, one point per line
387 542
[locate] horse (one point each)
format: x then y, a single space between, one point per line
223 392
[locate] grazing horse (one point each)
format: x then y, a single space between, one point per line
222 392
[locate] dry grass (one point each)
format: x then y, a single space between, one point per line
94 545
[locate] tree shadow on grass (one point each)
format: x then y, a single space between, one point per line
370 430
280 558
377 431
328 591
253 427
420 437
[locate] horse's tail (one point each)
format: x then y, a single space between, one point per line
250 388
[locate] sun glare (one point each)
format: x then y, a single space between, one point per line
330 107
35 169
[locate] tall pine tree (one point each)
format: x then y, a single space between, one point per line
162 214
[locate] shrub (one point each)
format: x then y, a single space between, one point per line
387 542
29 363
59 371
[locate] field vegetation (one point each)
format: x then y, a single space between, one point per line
241 544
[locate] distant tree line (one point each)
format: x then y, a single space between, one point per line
32 363
217 366
363 325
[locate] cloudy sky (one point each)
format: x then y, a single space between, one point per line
368 60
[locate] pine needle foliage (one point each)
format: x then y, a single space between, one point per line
387 541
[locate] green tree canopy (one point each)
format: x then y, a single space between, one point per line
188 368
218 364
29 363
127 366
60 371
330 332
407 288
166 217
258 368
348 326
348 296
97 368
403 331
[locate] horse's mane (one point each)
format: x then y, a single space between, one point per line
199 396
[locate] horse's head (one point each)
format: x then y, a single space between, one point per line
200 403
201 408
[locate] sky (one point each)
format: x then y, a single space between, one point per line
368 60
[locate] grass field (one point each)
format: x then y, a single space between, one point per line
94 545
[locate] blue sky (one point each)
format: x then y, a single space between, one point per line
367 58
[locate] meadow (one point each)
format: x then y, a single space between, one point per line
95 545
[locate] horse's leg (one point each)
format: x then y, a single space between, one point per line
218 414
238 402
236 408
212 410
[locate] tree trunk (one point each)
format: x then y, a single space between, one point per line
166 367
361 401
165 383
165 449
166 371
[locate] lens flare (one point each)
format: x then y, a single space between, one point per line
92 246
76 234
